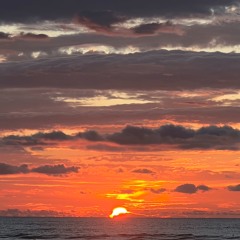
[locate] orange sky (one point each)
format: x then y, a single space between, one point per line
120 104
107 179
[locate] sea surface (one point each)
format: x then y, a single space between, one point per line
131 228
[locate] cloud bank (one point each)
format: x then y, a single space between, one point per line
155 70
60 169
211 137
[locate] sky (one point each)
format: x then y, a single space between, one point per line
129 103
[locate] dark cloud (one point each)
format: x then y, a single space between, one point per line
43 10
191 188
49 138
211 137
55 135
134 135
143 171
4 36
153 28
22 36
21 140
186 188
100 21
235 188
203 188
60 169
90 135
9 169
204 138
214 35
35 139
164 70
32 36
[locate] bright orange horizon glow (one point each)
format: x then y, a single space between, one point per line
118 211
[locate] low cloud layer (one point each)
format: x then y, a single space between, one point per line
30 213
60 169
191 188
211 137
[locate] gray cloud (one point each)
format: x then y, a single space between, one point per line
60 169
39 108
101 116
203 188
143 171
55 135
32 36
35 139
9 169
235 188
22 36
215 35
4 36
55 169
137 135
191 188
134 8
211 137
153 28
91 136
164 70
100 21
203 138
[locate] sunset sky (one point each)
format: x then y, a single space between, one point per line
131 103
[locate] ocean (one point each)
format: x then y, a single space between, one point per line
127 228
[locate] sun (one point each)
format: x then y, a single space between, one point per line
118 211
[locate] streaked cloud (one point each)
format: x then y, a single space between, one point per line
163 70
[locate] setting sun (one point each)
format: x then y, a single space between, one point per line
118 211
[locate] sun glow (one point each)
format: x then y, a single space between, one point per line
118 211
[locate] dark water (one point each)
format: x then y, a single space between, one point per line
134 229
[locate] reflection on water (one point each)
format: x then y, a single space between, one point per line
132 229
